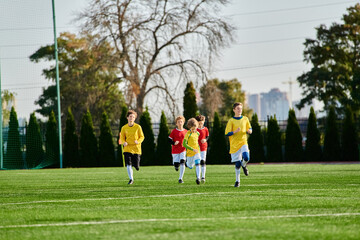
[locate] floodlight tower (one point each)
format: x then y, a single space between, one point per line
290 82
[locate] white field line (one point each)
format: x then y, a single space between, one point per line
175 219
159 196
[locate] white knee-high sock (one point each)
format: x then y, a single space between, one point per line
237 173
203 170
197 171
129 171
182 170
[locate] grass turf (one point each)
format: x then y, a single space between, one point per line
275 202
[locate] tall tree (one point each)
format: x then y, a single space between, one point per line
220 96
148 145
88 142
106 143
163 149
189 103
212 98
52 141
256 141
350 146
312 145
273 141
334 55
88 73
153 40
71 142
13 156
218 152
7 98
123 121
293 139
332 138
34 143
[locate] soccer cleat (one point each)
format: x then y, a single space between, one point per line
237 184
197 181
137 168
246 171
181 181
203 180
131 181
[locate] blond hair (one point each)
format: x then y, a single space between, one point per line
178 118
131 112
192 122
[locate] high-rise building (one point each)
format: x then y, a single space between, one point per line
272 103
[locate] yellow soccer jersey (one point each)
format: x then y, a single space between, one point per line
238 139
190 142
130 134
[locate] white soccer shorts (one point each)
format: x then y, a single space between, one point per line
178 156
238 155
190 161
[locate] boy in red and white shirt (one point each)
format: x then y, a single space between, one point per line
178 151
203 138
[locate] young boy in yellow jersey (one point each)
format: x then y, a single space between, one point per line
192 147
236 129
131 136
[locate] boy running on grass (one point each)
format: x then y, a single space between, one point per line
131 136
178 151
191 143
236 129
203 138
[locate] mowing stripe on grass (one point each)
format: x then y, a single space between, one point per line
175 219
159 196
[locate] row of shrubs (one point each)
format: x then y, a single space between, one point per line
89 151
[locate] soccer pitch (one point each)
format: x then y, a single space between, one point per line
279 201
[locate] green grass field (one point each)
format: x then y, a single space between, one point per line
275 202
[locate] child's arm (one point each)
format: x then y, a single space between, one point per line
122 139
141 136
248 127
228 129
185 144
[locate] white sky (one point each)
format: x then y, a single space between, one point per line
268 51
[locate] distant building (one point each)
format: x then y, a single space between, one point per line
272 103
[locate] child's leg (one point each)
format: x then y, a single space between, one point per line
197 167
203 168
182 169
246 158
237 171
129 171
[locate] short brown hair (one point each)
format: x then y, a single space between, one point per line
178 118
192 122
131 112
200 118
237 104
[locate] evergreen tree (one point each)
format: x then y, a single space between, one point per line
34 143
332 140
293 139
148 145
190 107
218 151
163 149
88 142
256 141
123 121
106 144
273 141
312 146
350 148
52 141
71 142
13 157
